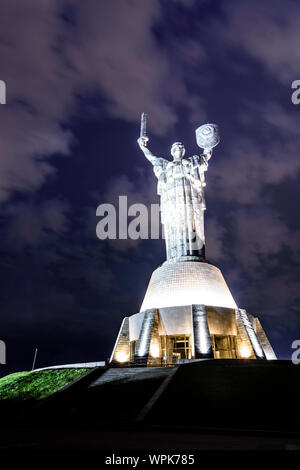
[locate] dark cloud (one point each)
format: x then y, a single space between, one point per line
47 61
31 224
268 32
38 97
114 48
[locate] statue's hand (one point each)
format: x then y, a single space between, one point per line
207 152
142 141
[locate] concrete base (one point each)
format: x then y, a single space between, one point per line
189 313
167 336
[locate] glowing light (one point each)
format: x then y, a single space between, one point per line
154 350
121 356
176 284
245 352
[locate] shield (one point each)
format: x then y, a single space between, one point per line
207 136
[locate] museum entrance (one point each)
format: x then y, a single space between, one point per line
224 347
175 347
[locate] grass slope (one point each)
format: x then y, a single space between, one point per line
36 385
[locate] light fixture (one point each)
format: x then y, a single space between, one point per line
121 356
245 352
154 350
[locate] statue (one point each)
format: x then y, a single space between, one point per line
181 184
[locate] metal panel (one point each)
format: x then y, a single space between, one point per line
265 343
143 345
122 342
258 350
203 346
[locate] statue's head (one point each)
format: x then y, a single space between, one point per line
177 150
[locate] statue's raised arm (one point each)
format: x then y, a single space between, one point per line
143 142
156 161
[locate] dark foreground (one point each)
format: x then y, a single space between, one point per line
122 439
211 405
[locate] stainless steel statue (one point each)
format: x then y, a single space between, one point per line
181 185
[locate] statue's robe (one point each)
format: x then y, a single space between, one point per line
180 186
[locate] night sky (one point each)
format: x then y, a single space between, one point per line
78 75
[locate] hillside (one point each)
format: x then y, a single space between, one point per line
36 385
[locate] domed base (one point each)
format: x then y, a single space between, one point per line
189 313
186 283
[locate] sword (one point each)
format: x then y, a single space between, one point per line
143 126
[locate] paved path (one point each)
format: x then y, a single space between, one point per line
131 373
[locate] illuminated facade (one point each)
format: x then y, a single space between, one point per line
162 334
188 312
